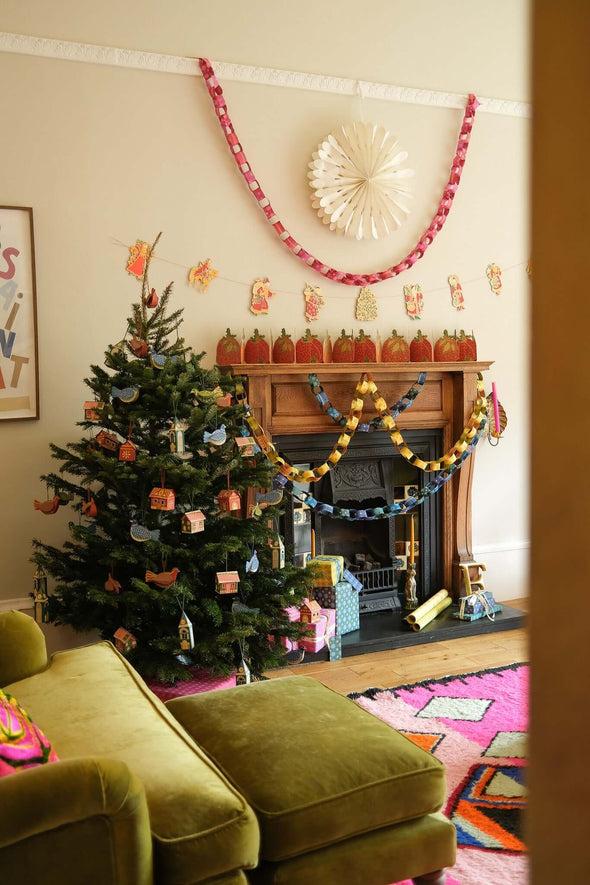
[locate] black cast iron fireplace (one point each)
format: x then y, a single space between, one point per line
371 474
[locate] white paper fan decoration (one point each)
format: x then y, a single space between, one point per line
359 181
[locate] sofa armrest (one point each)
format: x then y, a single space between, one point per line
22 647
80 820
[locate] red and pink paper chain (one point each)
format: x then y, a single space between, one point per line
348 279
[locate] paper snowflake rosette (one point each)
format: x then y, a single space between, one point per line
359 181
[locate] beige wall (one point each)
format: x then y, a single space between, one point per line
105 154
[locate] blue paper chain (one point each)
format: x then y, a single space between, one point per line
376 424
389 510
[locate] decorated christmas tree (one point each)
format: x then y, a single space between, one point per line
174 551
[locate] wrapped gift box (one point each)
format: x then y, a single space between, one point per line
345 601
327 570
320 631
352 580
477 605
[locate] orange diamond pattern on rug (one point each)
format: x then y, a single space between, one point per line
487 808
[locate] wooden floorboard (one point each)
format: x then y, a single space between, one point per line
386 669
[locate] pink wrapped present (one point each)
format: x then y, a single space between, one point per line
201 680
292 612
320 631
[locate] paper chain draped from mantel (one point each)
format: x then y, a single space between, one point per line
473 427
346 278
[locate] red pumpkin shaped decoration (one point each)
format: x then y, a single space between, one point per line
420 349
364 348
343 349
309 349
257 349
467 347
229 351
395 349
446 349
283 350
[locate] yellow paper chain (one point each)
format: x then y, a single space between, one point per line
475 421
293 473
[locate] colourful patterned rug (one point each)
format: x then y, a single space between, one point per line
476 724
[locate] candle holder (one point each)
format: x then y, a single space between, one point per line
411 599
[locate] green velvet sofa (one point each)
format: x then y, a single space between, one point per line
281 782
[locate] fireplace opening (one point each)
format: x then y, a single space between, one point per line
371 474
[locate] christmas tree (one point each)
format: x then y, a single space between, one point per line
157 554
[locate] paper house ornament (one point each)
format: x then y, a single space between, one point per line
91 410
185 632
40 598
162 499
278 554
228 500
193 521
124 640
245 445
243 676
108 441
309 611
128 451
226 582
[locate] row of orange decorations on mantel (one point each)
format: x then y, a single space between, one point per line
346 349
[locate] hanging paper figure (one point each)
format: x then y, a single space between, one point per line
206 396
185 632
142 533
414 301
138 346
457 298
111 585
314 299
138 255
252 564
494 275
162 579
152 299
366 305
260 294
202 275
89 508
49 506
127 395
217 438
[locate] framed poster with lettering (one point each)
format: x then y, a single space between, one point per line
19 371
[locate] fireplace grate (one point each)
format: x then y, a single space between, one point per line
375 579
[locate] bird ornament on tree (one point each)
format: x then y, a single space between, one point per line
162 579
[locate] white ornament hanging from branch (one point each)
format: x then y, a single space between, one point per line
359 181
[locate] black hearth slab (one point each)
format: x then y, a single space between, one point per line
383 631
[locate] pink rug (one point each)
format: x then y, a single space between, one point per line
476 724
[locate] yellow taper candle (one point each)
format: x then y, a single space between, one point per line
312 544
412 538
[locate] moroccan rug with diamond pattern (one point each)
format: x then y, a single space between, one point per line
476 724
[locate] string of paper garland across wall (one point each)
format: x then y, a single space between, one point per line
203 274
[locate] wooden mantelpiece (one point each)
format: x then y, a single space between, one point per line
282 402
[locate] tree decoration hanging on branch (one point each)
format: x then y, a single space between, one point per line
346 278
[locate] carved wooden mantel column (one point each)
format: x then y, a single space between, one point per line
282 402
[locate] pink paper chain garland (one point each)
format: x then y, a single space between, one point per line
348 279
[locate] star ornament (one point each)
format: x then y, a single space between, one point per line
359 182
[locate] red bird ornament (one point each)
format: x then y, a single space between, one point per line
49 506
112 585
162 579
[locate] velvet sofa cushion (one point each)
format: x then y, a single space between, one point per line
22 647
90 702
315 767
22 743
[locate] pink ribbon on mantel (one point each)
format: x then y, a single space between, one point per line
339 276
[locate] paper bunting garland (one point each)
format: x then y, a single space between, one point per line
202 275
457 299
494 275
414 301
366 305
314 299
138 256
260 295
346 278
